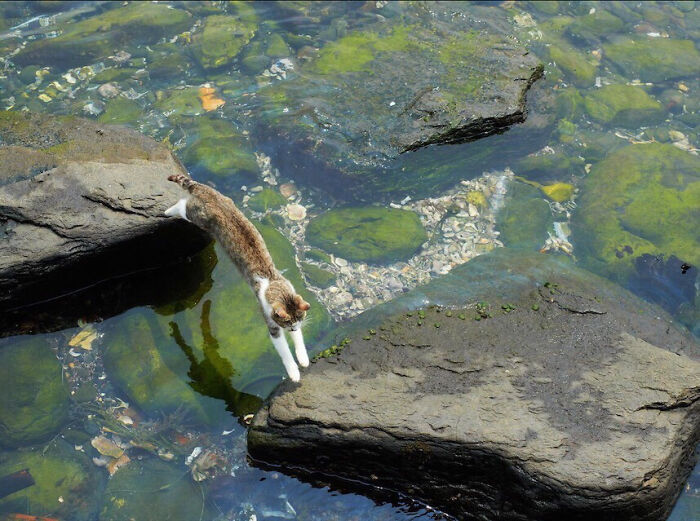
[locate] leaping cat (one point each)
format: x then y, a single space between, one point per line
281 305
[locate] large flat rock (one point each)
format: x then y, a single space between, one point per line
81 202
576 401
433 73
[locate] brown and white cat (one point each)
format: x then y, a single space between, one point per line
281 305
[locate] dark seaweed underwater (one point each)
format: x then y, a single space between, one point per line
131 400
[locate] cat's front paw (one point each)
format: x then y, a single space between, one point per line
293 373
303 358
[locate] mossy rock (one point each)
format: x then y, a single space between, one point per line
558 192
152 490
318 276
220 149
180 102
525 217
137 360
277 47
221 40
575 64
114 74
168 62
593 26
549 167
58 471
369 234
623 105
318 255
253 58
121 111
655 60
569 103
35 403
642 199
267 199
100 36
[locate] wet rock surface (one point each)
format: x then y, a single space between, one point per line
81 202
558 396
399 85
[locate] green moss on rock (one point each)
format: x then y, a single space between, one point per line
595 25
277 47
100 36
654 60
114 74
368 234
35 403
152 490
525 217
180 102
642 199
59 471
623 105
318 276
220 149
575 64
549 167
267 199
221 40
121 111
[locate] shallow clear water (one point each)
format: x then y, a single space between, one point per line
203 343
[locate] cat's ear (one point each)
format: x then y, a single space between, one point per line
301 303
279 312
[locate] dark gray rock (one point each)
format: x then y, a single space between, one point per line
438 73
81 202
576 401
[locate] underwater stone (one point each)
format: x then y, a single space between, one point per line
460 80
221 40
121 111
266 199
317 276
220 149
369 234
59 471
525 217
586 408
623 105
99 36
34 405
642 199
655 60
86 204
151 490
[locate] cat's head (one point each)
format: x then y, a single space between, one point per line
288 307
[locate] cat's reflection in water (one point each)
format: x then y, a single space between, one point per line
212 375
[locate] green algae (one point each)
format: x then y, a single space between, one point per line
593 26
642 199
99 36
266 199
319 256
317 276
180 102
277 47
121 111
549 166
623 105
114 74
525 219
569 104
59 471
152 490
220 149
575 65
35 404
221 40
654 60
369 234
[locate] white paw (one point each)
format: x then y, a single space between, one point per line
303 358
294 374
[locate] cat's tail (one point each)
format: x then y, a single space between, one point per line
184 181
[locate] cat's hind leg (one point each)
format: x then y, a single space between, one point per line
282 348
299 346
179 209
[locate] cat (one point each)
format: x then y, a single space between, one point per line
282 307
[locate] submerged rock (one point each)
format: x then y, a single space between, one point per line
152 490
624 105
368 234
266 199
67 485
433 77
223 37
655 60
34 406
559 396
81 202
99 36
525 218
640 200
